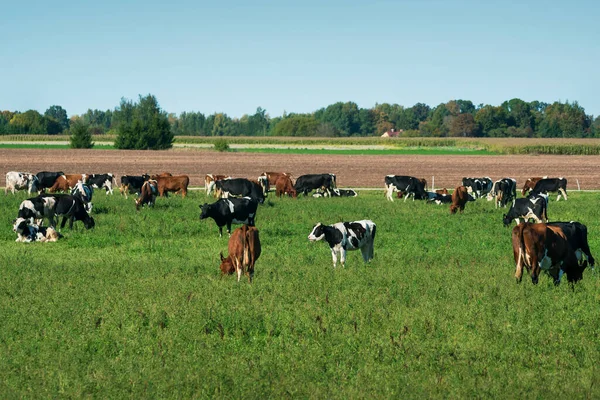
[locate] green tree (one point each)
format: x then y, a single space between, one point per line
463 125
143 126
59 114
297 125
80 135
492 118
221 125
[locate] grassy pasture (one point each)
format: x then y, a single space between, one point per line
136 307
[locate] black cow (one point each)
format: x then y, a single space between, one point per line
439 198
98 181
478 186
407 185
46 179
70 208
239 187
310 182
534 206
132 183
504 191
230 210
552 185
577 237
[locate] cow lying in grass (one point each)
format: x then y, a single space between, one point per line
27 232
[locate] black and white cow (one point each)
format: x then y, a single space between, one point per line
28 232
408 185
439 198
577 237
21 181
105 181
346 236
552 185
335 193
132 183
46 179
85 192
535 206
230 210
504 192
70 208
239 187
38 208
478 186
310 182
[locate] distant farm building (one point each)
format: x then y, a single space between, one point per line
392 133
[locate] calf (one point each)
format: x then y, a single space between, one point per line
239 187
284 185
46 179
478 186
552 185
172 184
345 236
21 181
132 183
244 249
106 181
65 183
530 184
310 182
210 179
535 207
38 208
71 208
407 185
27 232
504 191
231 210
460 196
148 194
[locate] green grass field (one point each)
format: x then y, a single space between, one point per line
136 307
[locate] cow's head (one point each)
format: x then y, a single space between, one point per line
89 222
227 267
19 225
317 233
205 210
506 220
453 209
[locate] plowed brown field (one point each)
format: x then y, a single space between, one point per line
351 170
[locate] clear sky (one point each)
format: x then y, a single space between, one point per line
233 56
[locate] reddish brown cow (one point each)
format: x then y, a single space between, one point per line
173 184
530 184
64 183
273 176
244 250
284 185
148 194
460 196
443 191
162 174
210 179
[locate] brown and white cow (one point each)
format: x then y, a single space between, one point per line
172 184
65 183
284 185
244 249
210 179
460 196
530 184
273 176
148 194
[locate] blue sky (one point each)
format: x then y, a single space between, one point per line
298 56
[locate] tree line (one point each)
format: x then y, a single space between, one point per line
142 124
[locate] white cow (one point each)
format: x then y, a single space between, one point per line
20 181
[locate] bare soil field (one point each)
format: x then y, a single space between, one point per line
352 170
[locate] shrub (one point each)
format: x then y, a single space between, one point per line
221 145
81 136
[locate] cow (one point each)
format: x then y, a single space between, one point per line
20 181
70 208
545 247
210 179
336 193
28 232
230 210
346 236
284 185
46 179
460 197
551 185
478 186
439 198
272 177
65 183
106 181
85 193
162 174
530 184
132 183
239 187
147 195
576 234
172 184
504 191
38 208
244 249
408 185
535 207
310 182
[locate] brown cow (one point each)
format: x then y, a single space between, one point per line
162 174
284 185
530 184
173 184
460 196
273 176
66 182
210 179
541 246
147 194
443 191
244 250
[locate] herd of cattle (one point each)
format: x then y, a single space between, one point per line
557 248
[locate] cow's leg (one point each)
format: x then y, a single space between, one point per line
229 228
220 231
343 257
334 256
390 192
564 193
519 268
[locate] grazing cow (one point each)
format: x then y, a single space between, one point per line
336 193
545 247
284 185
310 182
460 196
272 177
210 179
65 183
172 184
478 186
576 234
21 181
535 206
148 194
551 185
106 181
28 232
46 179
244 250
407 185
346 236
504 191
132 183
239 187
530 184
85 193
231 210
70 208
38 208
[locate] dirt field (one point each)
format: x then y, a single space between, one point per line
351 170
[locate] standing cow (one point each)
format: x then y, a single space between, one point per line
21 181
345 236
231 210
244 249
460 197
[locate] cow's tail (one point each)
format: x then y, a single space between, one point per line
246 250
522 252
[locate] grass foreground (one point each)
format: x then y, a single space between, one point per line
136 307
